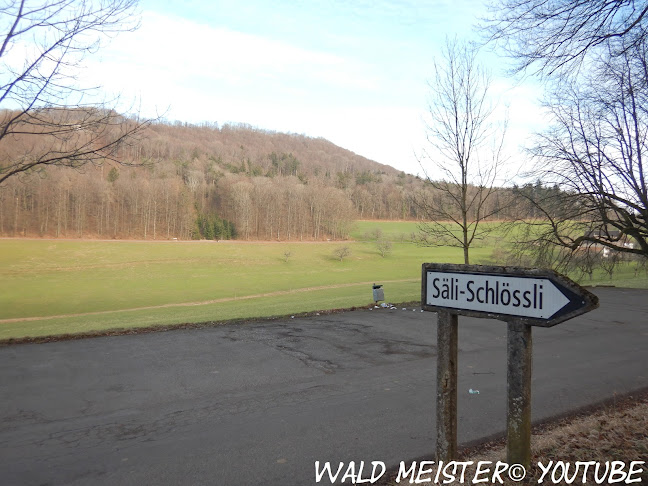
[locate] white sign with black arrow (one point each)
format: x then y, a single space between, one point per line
538 297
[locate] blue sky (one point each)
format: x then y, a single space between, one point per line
353 72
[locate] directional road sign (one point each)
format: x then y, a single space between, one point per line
530 296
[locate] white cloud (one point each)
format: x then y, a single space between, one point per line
194 72
178 52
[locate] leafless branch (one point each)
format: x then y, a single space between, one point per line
558 36
42 110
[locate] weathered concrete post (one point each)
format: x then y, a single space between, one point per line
446 414
518 427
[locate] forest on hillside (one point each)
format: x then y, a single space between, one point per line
211 182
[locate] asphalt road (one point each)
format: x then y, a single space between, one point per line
260 403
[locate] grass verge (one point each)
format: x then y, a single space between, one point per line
286 304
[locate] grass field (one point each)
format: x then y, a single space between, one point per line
50 287
391 230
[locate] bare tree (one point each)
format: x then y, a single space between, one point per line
558 36
342 252
384 247
465 148
42 45
595 152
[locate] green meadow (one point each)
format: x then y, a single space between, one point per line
50 287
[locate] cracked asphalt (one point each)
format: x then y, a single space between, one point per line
259 403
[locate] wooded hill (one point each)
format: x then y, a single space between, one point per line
210 182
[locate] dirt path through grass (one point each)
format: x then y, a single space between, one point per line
205 302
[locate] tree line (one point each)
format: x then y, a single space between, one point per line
175 186
192 195
168 187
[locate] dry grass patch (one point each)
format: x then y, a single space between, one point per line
615 432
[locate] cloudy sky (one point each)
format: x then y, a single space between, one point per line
353 72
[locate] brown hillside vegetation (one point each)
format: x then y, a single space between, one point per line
249 149
205 181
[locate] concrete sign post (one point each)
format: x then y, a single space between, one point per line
446 413
523 298
518 406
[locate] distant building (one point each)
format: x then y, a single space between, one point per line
613 236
